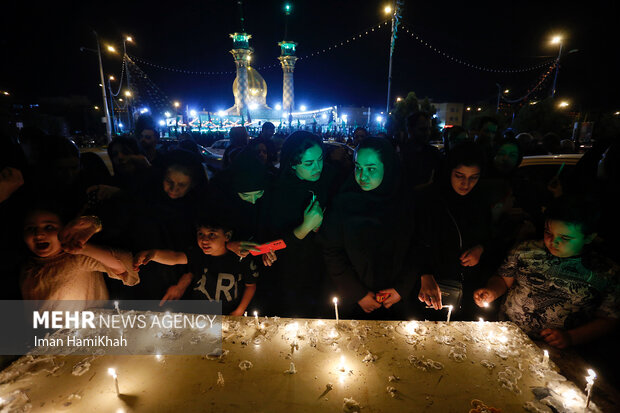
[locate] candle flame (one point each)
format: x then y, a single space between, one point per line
335 300
411 326
112 372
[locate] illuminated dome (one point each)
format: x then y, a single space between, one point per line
257 88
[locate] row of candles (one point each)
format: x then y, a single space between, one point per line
590 378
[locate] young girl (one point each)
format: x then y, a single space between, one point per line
367 237
300 196
453 229
67 272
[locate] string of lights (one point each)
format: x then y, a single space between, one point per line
174 69
542 79
364 33
415 36
120 83
317 52
145 92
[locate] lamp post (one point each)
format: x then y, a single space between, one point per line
395 10
106 111
556 40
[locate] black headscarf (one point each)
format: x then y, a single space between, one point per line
246 174
291 194
373 226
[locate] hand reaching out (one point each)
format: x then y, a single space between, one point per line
430 292
242 248
269 258
484 295
142 258
556 338
76 233
174 293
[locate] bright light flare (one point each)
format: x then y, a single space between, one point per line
111 49
556 40
387 9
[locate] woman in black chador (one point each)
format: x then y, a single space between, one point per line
296 207
453 229
368 237
163 218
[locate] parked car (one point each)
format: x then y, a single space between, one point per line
544 167
214 154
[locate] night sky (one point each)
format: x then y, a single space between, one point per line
41 57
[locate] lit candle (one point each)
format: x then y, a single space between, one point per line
449 312
335 300
116 307
590 380
112 373
480 321
410 327
342 367
158 357
256 318
545 360
485 304
245 313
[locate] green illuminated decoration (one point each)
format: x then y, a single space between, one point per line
241 40
288 8
287 48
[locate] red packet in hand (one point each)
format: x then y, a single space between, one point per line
270 246
381 297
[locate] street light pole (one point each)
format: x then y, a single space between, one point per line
103 93
557 65
395 22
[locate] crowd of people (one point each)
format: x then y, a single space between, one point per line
398 232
